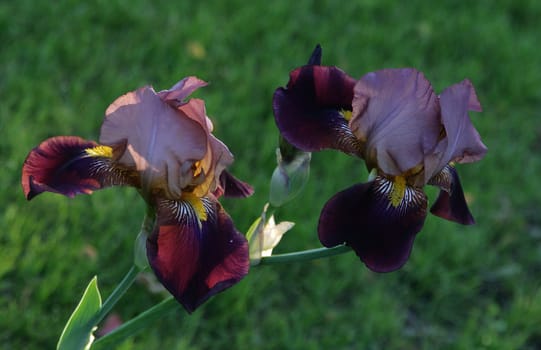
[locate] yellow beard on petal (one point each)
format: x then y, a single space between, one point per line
397 191
346 114
196 203
100 151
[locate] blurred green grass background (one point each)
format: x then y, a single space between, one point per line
476 287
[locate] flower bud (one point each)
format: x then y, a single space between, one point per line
291 174
263 236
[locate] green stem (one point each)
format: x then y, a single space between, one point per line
304 255
139 265
119 291
136 324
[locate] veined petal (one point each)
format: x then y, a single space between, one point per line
161 142
196 257
451 204
310 112
70 165
396 116
375 222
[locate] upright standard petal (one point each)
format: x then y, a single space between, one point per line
181 90
217 157
379 220
451 203
396 117
311 113
162 143
70 165
461 142
195 250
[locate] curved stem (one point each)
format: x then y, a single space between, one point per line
119 291
136 324
304 255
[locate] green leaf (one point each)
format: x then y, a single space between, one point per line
77 333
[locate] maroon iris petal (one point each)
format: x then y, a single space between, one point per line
315 58
230 186
308 112
451 205
195 260
62 165
363 217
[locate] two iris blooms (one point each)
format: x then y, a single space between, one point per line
161 143
407 135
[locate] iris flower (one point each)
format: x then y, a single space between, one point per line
408 137
163 146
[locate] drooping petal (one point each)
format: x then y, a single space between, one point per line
364 217
161 142
451 204
70 165
396 115
230 186
196 256
310 112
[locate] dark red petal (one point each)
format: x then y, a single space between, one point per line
196 259
315 58
308 111
363 217
451 204
230 186
62 165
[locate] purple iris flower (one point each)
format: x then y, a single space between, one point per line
408 137
163 146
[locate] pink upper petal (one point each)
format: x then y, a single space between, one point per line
465 144
395 112
462 142
162 143
182 89
217 157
